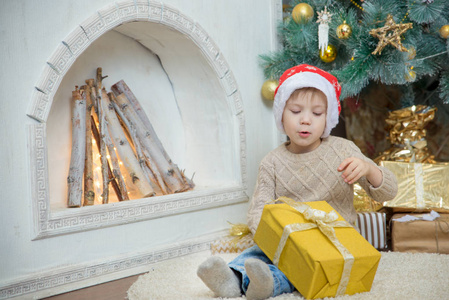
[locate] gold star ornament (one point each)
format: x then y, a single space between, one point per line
390 34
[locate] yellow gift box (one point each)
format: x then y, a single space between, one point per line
421 187
315 265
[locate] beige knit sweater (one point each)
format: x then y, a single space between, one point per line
313 176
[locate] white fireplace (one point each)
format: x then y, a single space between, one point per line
187 90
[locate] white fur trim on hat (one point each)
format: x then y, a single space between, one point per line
303 80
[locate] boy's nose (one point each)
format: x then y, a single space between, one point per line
305 119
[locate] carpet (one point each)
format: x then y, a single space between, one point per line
399 276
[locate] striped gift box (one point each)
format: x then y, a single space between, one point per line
373 227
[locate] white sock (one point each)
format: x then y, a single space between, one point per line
261 282
218 277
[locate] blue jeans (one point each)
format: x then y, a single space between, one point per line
281 284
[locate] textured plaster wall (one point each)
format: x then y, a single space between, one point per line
29 33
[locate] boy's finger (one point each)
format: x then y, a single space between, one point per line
344 164
348 174
353 177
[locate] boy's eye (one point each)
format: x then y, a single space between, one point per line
318 114
295 111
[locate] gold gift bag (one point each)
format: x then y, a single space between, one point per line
320 258
421 187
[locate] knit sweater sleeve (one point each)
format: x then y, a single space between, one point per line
387 190
264 192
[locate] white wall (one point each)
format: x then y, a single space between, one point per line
29 33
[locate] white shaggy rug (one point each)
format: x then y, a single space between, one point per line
399 276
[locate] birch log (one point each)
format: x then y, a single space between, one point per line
89 194
96 134
124 148
115 166
103 154
103 128
93 93
121 87
99 84
75 177
143 161
173 182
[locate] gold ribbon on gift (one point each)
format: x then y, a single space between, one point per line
325 222
419 185
443 230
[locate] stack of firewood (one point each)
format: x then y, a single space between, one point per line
124 136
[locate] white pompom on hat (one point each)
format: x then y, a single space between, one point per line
303 76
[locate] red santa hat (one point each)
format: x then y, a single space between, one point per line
308 76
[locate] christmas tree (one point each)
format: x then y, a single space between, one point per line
395 43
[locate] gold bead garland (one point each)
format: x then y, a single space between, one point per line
357 5
408 11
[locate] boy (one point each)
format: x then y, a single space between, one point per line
311 166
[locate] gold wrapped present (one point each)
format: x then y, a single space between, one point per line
363 202
320 253
409 123
407 133
421 187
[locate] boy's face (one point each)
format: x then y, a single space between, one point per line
304 119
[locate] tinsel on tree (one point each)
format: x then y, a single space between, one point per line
417 61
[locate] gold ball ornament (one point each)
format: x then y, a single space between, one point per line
444 31
329 54
268 88
344 31
411 53
302 13
410 76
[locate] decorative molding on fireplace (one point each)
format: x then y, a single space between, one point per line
62 280
48 223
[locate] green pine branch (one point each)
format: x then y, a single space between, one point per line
355 65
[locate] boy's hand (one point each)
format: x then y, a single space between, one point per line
353 169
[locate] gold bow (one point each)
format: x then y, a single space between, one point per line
325 222
239 232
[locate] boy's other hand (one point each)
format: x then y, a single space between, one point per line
353 169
